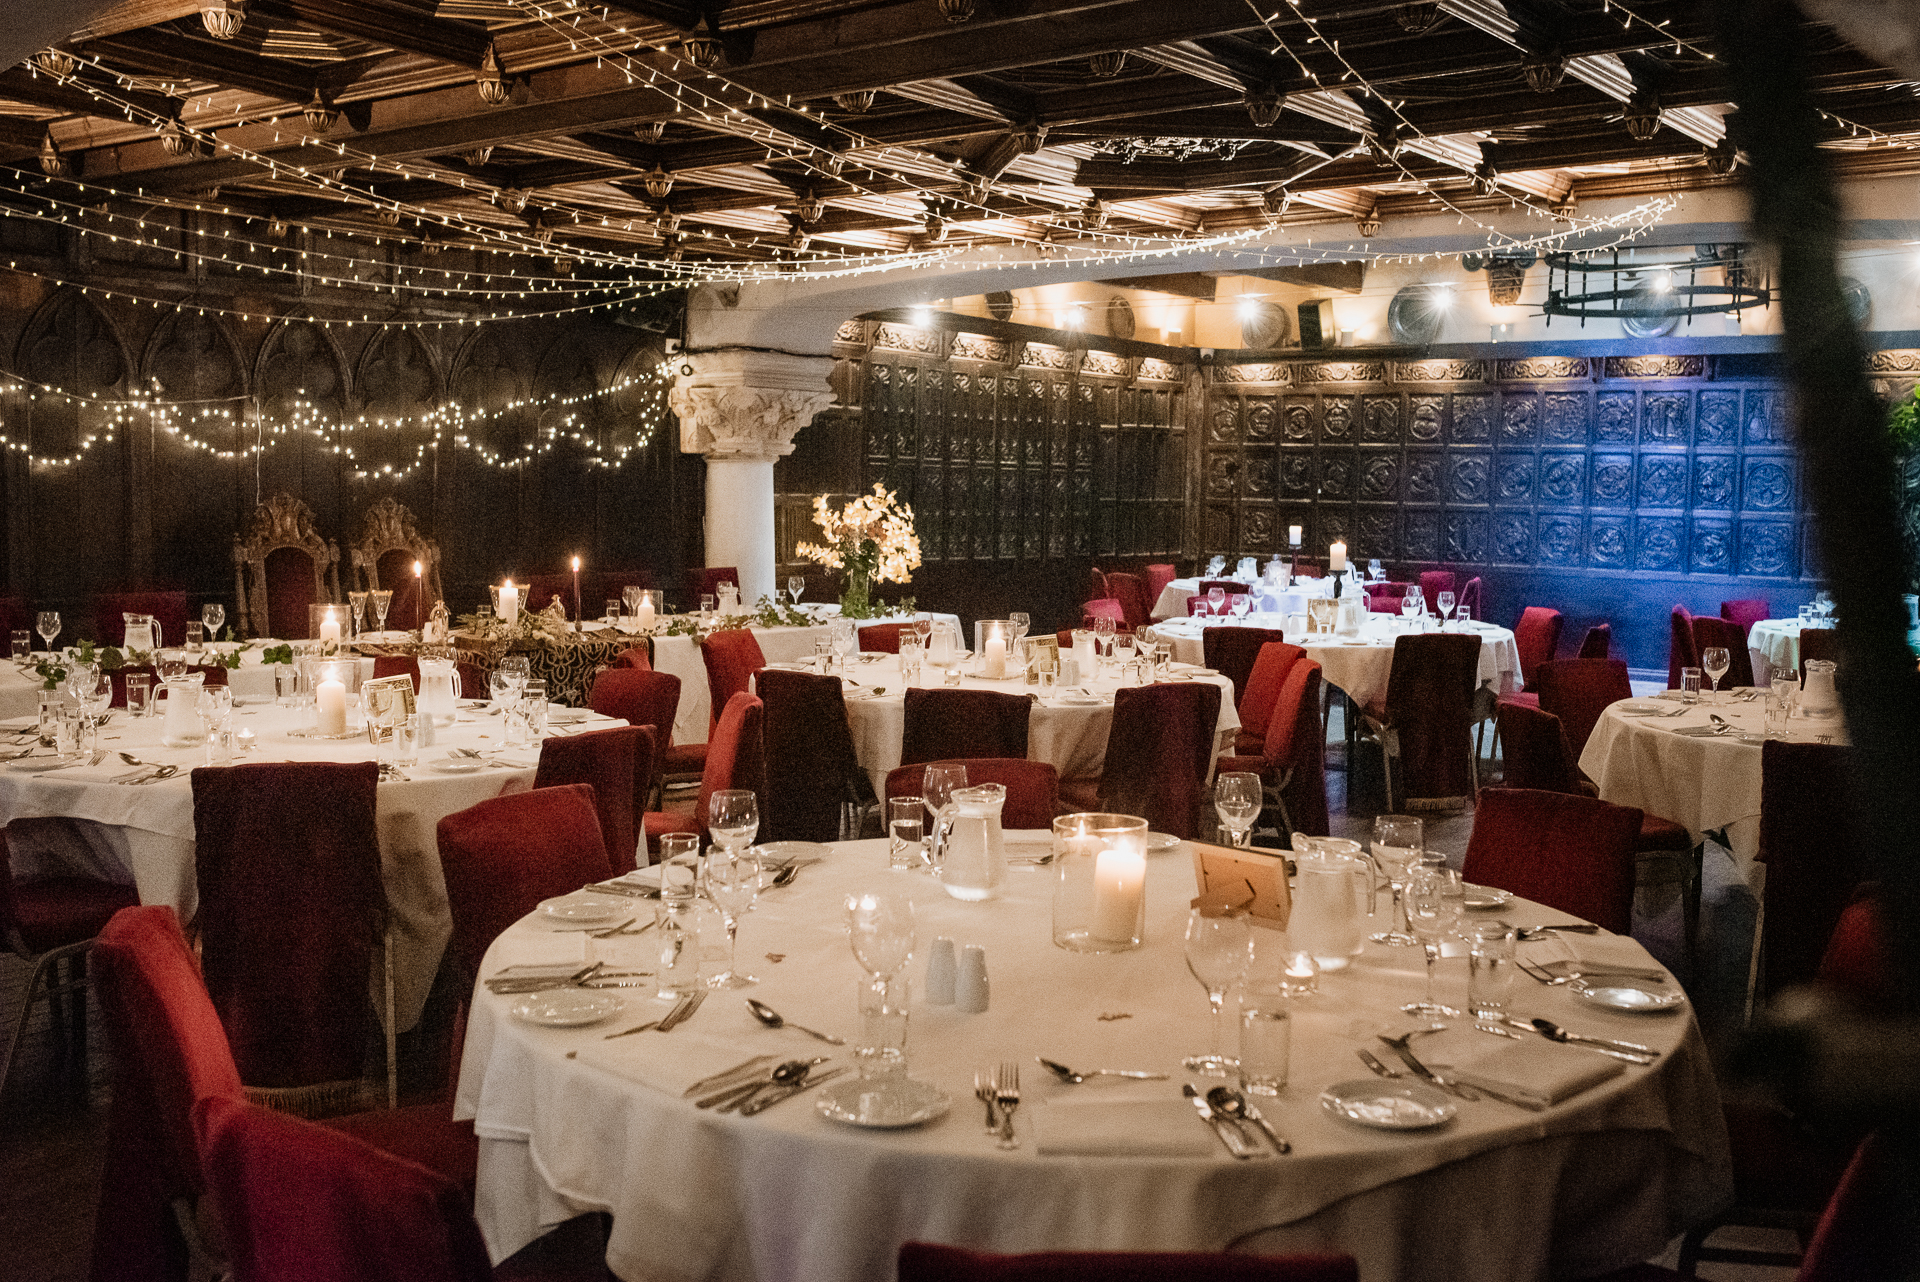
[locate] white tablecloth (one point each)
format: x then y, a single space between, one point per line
1601 1180
1072 736
1700 783
1360 666
144 835
19 693
1269 595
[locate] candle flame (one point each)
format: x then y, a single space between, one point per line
576 565
416 569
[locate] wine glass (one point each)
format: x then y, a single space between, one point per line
1716 660
631 597
213 615
1218 952
796 584
1103 636
1239 604
1823 604
502 688
733 817
95 693
1022 624
1236 799
356 614
1216 597
1435 899
380 599
519 670
1445 604
846 640
171 664
48 625
937 786
1397 844
880 927
733 882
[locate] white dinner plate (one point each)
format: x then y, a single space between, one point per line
581 912
567 1007
1159 841
883 1106
456 765
1640 709
1080 700
1488 897
1633 995
1386 1105
37 765
560 714
778 853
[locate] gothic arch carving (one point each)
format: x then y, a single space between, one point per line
191 356
300 360
485 373
71 344
398 376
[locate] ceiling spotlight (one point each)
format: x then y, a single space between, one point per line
491 81
659 182
936 228
859 102
429 246
703 47
1663 282
672 247
1416 17
798 240
223 18
477 157
1274 201
1385 144
955 10
1642 116
1105 66
669 222
57 63
321 115
809 207
539 230
174 140
650 132
1368 223
52 162
1264 104
921 315
1566 210
1029 137
511 199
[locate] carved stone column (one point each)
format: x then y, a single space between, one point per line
740 410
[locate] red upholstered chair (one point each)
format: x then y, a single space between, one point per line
50 925
1232 587
812 771
169 610
1232 652
1570 853
501 857
473 680
643 697
1537 637
1263 691
1426 719
1130 590
1293 745
881 638
1433 583
736 758
1158 576
301 1203
394 665
409 606
612 584
1538 756
1598 643
1158 754
214 674
1384 598
1814 853
118 679
618 764
944 724
732 657
1578 690
1745 612
292 914
1682 651
705 580
1466 603
1033 787
1818 643
637 657
927 1262
1856 959
1096 584
1709 632
1105 608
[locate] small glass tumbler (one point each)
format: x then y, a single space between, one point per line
612 615
1784 684
1690 682
139 694
22 646
196 636
1490 967
533 705
881 1053
70 722
906 832
1266 1036
286 684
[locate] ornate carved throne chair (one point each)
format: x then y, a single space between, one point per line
383 557
282 567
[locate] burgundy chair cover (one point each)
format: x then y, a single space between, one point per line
1096 584
613 583
169 1053
1814 853
1295 745
732 657
810 762
952 724
1232 587
637 657
118 678
1570 853
881 638
214 674
927 1262
1269 674
305 1203
1745 612
394 665
1232 652
1709 632
640 697
1578 690
1818 643
1682 652
706 580
1466 603
473 680
1158 754
1105 608
500 858
618 765
1433 583
52 912
1534 747
1384 598
1130 590
169 609
1598 643
1033 787
1429 703
288 864
1158 576
1537 637
736 758
1856 958
290 590
409 606
1868 1229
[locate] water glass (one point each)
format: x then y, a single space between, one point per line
1784 684
22 646
69 728
612 615
196 636
679 871
823 654
533 706
1237 798
881 1053
139 694
677 969
1690 681
286 684
706 603
906 832
1490 967
1266 1035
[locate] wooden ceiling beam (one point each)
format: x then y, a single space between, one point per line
18 84
460 43
159 51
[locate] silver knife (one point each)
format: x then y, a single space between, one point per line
1636 1047
739 1073
767 1099
1464 1091
684 1011
1229 1132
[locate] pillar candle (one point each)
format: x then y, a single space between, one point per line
1293 536
1119 884
576 590
509 602
645 614
1337 558
330 629
330 704
993 658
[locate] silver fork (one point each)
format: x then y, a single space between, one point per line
1006 1093
983 1091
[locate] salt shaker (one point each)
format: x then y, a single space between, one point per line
941 976
970 989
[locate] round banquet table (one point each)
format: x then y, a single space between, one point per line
143 834
1070 734
1702 782
1268 594
1358 665
1775 643
571 1121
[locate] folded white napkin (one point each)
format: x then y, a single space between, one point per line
1599 950
669 1062
524 947
1122 1128
1534 1068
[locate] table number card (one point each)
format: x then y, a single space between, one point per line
387 701
1247 880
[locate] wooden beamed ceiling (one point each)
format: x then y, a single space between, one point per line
1031 120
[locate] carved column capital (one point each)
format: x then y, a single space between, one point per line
748 405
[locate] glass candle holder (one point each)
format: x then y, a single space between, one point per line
993 641
1100 882
327 623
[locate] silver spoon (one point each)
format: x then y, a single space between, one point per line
791 1071
1072 1078
132 760
772 1019
1232 1104
784 876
